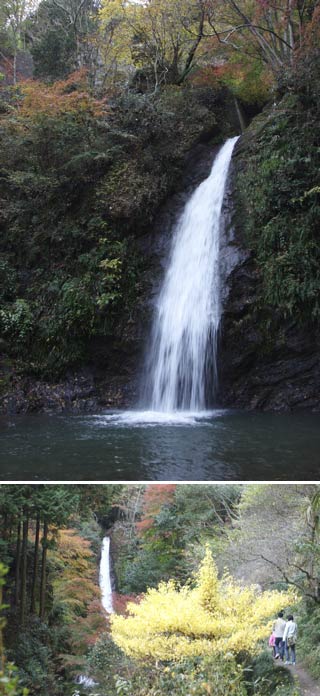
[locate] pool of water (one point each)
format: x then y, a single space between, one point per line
136 446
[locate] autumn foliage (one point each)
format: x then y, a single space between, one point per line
76 593
121 602
70 96
154 498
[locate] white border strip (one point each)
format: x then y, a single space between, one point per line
153 482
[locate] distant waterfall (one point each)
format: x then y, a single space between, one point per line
105 577
183 355
106 601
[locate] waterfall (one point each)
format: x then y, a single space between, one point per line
106 601
105 577
182 367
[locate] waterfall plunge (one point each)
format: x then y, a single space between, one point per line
183 356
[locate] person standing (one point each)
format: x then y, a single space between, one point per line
290 639
272 644
278 629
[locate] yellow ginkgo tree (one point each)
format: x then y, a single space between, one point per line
210 616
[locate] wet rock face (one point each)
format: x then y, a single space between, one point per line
265 362
84 392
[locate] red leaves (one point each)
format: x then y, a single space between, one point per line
155 496
120 602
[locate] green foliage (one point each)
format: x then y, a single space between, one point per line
292 690
10 682
108 663
91 530
16 321
174 543
53 54
59 37
264 679
9 679
197 677
33 655
309 638
248 79
8 279
49 651
78 185
71 259
194 676
280 203
206 676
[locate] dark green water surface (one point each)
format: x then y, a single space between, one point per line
213 446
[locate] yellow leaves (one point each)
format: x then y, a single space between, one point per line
74 586
155 34
215 616
208 583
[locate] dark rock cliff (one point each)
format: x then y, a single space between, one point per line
111 377
266 362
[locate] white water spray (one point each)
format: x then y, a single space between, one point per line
105 577
183 356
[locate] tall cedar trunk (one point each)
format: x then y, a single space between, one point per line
35 566
18 561
23 594
43 585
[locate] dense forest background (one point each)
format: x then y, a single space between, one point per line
265 536
100 107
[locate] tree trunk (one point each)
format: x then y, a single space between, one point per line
43 585
18 561
193 49
24 568
35 566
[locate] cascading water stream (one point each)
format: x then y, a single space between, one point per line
106 601
182 363
105 577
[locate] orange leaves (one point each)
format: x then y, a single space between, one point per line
74 550
154 497
70 96
76 592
